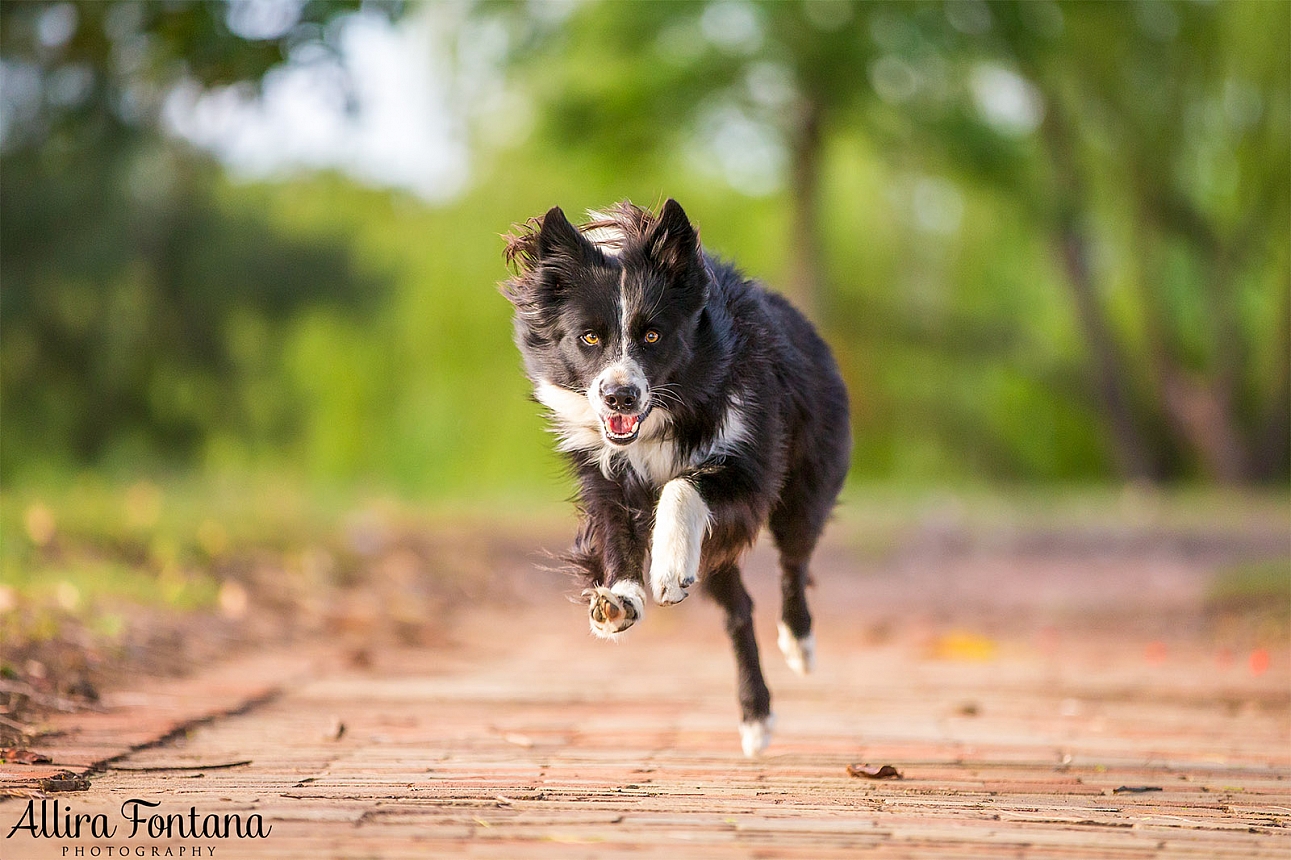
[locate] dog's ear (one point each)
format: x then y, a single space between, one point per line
557 237
673 242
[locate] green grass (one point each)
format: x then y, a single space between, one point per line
161 543
85 557
875 519
91 562
96 582
1257 586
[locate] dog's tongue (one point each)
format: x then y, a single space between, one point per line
623 425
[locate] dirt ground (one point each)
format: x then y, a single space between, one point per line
1038 700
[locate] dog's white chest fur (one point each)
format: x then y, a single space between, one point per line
653 456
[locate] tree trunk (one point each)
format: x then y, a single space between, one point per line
1200 408
806 258
1108 369
1199 412
1271 450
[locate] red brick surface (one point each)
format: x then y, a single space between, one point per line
528 738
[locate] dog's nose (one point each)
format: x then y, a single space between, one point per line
622 399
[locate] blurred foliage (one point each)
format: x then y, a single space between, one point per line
145 334
1252 598
1265 585
139 312
1049 242
102 581
1144 147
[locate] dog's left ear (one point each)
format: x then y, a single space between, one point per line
673 242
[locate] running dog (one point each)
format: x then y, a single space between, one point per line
695 407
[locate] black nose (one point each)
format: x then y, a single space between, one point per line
622 399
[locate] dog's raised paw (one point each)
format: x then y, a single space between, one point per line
670 588
613 610
799 652
681 522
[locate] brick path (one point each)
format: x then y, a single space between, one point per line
1014 712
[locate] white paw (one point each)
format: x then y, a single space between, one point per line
680 525
755 735
800 654
670 586
613 610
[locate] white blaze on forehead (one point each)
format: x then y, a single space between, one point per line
623 313
624 370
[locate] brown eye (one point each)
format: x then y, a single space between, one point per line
590 338
652 336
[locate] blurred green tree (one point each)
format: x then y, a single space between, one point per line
135 303
1147 144
1162 135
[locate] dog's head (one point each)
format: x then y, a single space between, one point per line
608 313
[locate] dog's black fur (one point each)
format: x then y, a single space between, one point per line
708 410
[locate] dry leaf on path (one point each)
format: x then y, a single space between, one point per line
14 755
886 771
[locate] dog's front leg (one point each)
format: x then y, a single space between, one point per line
720 506
617 594
681 523
615 608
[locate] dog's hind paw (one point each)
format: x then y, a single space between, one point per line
799 653
756 734
613 610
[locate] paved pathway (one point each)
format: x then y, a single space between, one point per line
1013 719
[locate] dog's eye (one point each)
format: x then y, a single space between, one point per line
652 336
590 338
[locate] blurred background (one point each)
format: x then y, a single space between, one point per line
249 254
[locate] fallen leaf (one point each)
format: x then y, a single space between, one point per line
886 771
13 755
964 646
68 783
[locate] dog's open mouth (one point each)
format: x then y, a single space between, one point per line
622 429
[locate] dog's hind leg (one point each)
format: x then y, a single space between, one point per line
796 523
726 588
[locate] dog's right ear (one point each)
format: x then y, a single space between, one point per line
557 237
547 256
550 239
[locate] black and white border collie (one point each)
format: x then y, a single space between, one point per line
695 407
